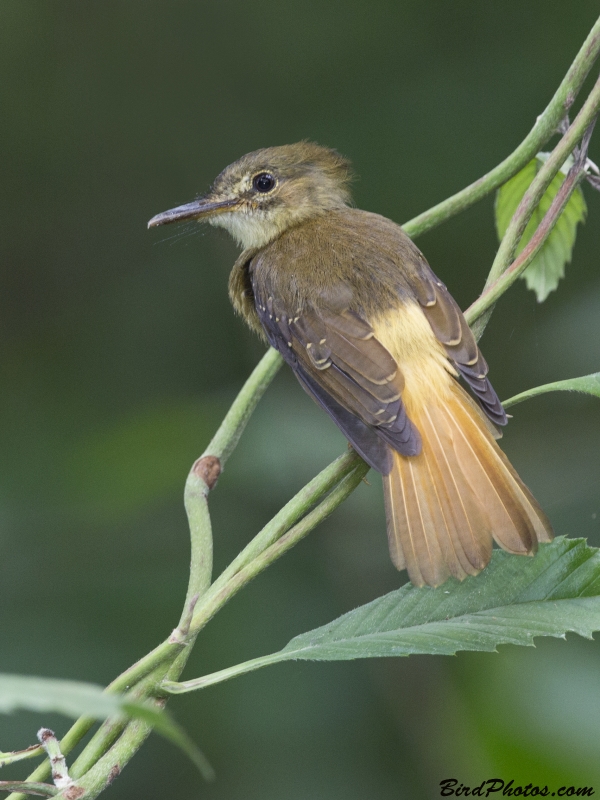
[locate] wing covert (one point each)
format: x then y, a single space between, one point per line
340 363
451 329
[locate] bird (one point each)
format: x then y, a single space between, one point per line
376 339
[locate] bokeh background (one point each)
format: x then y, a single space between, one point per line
120 353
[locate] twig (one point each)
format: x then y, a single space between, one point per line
182 631
108 766
19 755
213 601
29 787
58 763
290 513
271 554
226 438
196 507
496 289
545 126
97 760
567 145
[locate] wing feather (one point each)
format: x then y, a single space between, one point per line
451 329
347 370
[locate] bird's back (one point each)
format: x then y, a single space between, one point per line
348 256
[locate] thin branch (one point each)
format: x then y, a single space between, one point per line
545 126
271 554
490 296
29 787
247 564
32 751
232 427
290 513
60 773
131 735
487 300
196 507
109 765
183 687
567 145
181 633
221 446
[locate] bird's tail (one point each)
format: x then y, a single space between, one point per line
444 506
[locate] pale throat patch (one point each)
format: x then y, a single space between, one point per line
250 230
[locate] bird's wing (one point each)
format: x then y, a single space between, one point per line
451 329
341 364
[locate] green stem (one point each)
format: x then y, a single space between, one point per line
351 469
290 513
480 310
109 766
231 581
541 182
587 384
265 559
196 492
20 755
75 734
29 787
545 126
226 438
196 507
111 728
221 447
117 740
224 674
109 737
506 277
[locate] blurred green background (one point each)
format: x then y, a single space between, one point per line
119 353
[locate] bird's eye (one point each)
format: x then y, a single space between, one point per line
263 182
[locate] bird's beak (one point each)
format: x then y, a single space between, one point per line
197 209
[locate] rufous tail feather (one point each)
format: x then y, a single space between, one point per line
445 506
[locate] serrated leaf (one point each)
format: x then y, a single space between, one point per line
516 599
548 267
588 384
76 699
513 601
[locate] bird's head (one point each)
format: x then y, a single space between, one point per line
268 191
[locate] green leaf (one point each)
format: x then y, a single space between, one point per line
76 699
548 267
589 384
514 600
71 698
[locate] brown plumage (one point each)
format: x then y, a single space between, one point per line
376 339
